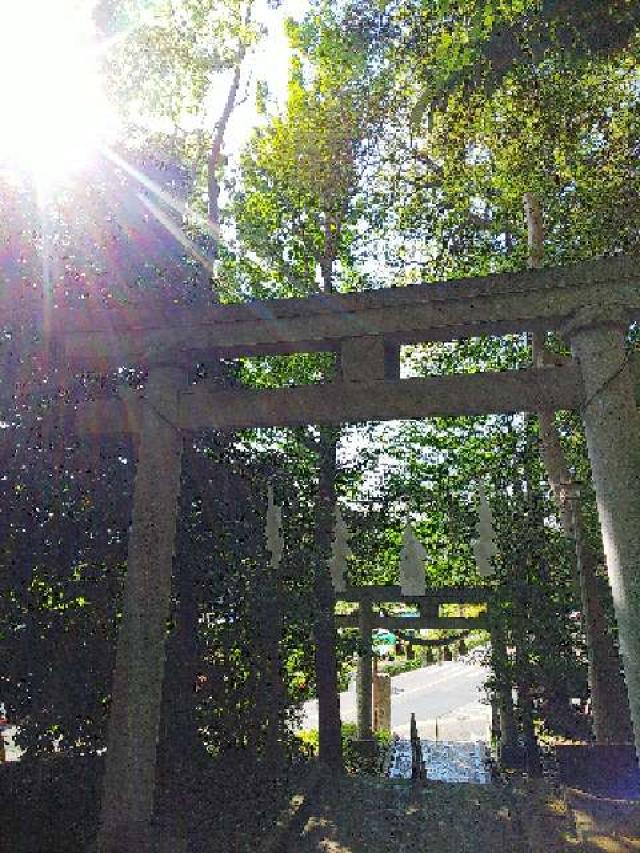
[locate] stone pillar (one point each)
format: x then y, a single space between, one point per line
364 683
129 783
382 707
612 427
375 697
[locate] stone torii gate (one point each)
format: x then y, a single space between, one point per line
590 304
429 617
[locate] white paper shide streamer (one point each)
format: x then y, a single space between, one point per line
412 557
484 547
340 551
275 540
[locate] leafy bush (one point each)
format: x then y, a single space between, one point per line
354 760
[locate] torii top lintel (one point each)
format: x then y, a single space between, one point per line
535 300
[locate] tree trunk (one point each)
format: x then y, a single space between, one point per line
214 159
215 153
329 725
523 673
526 552
365 672
504 687
324 628
179 740
609 700
271 689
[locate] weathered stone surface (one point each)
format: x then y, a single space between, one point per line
412 569
536 300
612 428
382 708
130 772
364 682
343 402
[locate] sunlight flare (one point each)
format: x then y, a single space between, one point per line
54 115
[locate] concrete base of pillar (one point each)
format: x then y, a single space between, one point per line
142 838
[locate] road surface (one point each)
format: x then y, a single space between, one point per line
447 695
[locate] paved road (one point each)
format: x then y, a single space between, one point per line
449 693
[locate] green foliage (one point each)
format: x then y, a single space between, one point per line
298 202
474 45
162 64
397 667
354 761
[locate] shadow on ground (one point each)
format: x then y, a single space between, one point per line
230 806
360 815
51 805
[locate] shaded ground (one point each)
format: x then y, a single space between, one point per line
611 826
360 815
51 805
364 815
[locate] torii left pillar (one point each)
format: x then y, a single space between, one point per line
130 771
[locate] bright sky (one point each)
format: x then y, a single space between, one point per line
269 63
54 115
50 98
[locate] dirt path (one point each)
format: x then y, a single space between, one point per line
365 815
358 814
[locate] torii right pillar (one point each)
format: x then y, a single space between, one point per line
612 428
